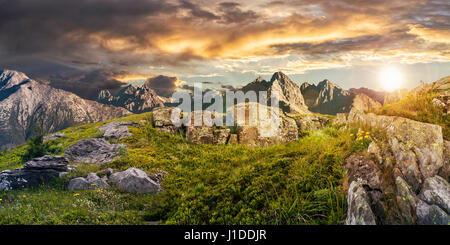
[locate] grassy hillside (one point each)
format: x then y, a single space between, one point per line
294 183
419 107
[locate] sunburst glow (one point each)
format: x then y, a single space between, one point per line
391 78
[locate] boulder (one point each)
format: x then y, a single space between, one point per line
310 122
54 136
430 214
162 119
116 129
35 172
264 126
207 135
233 139
136 181
359 211
92 181
436 191
93 150
366 171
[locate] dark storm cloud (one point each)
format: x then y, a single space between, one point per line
86 84
163 85
232 13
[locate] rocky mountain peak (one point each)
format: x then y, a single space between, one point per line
280 76
10 78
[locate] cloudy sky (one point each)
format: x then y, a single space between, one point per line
87 45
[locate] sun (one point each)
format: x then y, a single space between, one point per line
391 78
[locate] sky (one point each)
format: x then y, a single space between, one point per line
88 45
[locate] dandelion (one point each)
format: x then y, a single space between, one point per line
1 199
94 184
76 194
366 136
367 133
351 134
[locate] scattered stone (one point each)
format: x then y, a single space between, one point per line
436 191
94 150
359 212
92 181
134 180
54 136
35 172
116 129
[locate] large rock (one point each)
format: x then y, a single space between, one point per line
359 211
417 146
116 129
406 201
430 214
273 128
92 181
310 122
436 191
162 119
366 171
35 172
134 180
207 135
94 150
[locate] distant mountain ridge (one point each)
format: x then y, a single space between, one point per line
135 98
329 98
26 105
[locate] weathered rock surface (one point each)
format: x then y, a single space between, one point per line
162 119
364 170
430 214
25 103
270 128
406 201
34 172
92 181
359 211
417 146
116 129
134 180
436 191
54 136
310 122
207 135
94 150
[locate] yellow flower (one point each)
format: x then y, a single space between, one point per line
351 134
76 194
367 132
366 136
94 184
1 199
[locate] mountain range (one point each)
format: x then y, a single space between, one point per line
27 105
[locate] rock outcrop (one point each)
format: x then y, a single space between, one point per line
135 98
116 129
26 105
162 119
94 150
359 211
402 181
54 136
35 172
136 181
310 122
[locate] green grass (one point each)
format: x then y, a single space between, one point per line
295 183
419 107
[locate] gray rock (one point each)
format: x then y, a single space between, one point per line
359 212
436 191
116 129
207 135
54 136
35 172
311 122
162 119
430 214
92 181
134 180
233 139
109 172
405 201
95 150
